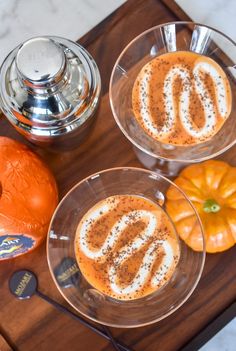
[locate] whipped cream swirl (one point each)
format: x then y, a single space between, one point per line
192 81
151 220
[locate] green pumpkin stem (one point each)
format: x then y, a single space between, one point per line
211 205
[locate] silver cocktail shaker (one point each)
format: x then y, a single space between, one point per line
49 91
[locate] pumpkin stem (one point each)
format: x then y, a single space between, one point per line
211 205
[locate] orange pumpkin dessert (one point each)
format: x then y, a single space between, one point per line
28 198
181 98
126 247
211 186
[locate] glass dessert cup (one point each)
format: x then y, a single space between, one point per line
83 297
171 37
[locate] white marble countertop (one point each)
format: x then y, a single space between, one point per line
23 19
219 14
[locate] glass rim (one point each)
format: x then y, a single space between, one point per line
126 134
203 252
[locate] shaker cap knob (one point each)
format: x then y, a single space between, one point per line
40 62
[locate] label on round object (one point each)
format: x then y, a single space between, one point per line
23 284
67 273
14 245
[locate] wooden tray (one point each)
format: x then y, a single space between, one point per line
33 325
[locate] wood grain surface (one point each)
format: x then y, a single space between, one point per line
33 324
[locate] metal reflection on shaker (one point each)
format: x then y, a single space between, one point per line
49 91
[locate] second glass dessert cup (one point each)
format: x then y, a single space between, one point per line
171 37
85 298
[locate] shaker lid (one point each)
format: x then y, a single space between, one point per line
47 83
40 61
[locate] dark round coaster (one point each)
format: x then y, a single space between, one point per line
67 273
23 284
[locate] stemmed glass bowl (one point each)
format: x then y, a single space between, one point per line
85 298
170 37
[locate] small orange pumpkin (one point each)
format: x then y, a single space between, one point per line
28 197
211 186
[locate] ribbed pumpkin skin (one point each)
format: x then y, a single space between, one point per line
28 192
211 180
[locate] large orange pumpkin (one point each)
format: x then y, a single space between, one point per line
28 197
211 186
